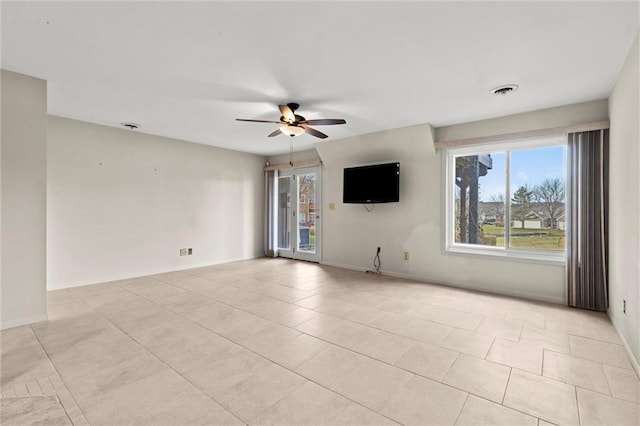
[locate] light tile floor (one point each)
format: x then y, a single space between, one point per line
272 341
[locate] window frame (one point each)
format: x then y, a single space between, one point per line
506 146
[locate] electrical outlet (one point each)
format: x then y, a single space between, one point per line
189 251
405 255
624 306
183 252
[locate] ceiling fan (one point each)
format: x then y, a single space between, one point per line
294 124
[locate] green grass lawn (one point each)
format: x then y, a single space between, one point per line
545 239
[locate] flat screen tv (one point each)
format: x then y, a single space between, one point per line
378 183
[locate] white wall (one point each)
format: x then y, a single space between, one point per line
122 204
415 224
566 115
624 202
23 291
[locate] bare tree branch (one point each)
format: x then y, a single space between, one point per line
550 195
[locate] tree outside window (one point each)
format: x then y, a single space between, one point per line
521 204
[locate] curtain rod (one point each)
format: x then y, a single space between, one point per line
304 163
586 127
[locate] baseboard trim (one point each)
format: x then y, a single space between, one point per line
520 295
627 348
23 321
343 266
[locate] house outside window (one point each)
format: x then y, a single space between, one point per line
307 201
507 199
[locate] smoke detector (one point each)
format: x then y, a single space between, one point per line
504 89
130 126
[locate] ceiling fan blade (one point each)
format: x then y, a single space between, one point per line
314 132
259 121
287 113
274 133
325 121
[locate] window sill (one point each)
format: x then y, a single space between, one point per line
554 258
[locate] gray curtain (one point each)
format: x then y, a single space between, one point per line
270 230
587 206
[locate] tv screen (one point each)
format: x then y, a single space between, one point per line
378 183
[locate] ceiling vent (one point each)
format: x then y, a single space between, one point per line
130 126
504 90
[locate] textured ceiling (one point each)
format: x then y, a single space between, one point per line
187 69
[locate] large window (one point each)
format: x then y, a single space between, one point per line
507 199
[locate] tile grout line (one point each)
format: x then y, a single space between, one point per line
520 334
609 383
504 395
447 372
575 390
461 409
35 336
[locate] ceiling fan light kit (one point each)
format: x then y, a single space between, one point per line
294 124
291 130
